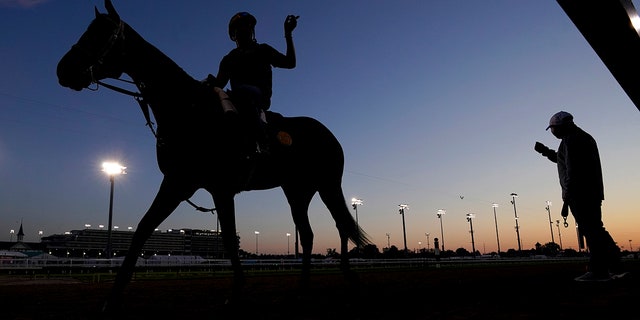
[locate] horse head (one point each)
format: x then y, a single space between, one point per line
97 54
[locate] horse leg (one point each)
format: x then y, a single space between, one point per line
225 207
299 201
333 198
166 201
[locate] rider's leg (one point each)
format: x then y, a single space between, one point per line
256 105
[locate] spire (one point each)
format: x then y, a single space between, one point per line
20 233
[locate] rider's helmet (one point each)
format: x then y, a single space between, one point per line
241 20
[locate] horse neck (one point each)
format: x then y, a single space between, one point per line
149 66
166 87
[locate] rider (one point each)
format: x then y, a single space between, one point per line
248 68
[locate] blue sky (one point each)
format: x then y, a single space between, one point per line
431 100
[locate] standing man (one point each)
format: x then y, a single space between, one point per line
580 176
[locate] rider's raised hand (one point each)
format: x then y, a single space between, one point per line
290 23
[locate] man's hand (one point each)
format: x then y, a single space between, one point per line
541 148
290 23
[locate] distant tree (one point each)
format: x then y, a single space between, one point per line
446 253
370 251
243 254
550 249
512 253
391 253
355 252
462 252
571 253
332 253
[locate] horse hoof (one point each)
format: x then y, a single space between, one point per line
112 306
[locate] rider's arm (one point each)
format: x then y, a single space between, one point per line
291 53
287 60
280 60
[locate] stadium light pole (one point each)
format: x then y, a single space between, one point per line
402 208
388 240
559 234
11 232
256 233
112 169
630 247
441 213
355 202
548 207
427 235
513 201
288 237
495 219
470 217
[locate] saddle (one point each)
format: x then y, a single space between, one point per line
263 132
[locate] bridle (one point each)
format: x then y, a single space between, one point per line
116 35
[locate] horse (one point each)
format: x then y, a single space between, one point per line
200 145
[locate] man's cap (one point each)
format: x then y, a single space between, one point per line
560 118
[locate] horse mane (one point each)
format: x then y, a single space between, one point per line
177 80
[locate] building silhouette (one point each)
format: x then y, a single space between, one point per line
92 243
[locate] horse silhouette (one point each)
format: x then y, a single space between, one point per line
199 146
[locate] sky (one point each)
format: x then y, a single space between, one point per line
437 105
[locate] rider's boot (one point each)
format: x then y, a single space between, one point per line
262 137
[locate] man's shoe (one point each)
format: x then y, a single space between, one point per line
618 275
593 277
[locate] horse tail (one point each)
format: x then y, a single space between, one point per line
360 238
347 225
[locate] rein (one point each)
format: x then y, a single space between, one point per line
144 105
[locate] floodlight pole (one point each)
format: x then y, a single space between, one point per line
355 202
441 213
470 217
495 219
404 230
256 233
559 234
513 201
548 207
108 251
112 169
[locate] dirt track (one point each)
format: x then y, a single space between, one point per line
540 291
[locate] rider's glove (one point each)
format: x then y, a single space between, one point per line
290 23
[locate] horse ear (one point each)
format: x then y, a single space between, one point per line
96 10
111 10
